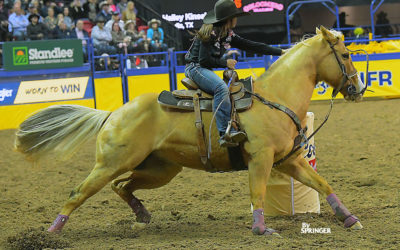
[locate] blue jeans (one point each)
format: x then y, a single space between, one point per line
209 82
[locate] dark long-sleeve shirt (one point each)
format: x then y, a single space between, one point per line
209 54
34 30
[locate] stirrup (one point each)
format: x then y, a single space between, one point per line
225 141
238 136
234 136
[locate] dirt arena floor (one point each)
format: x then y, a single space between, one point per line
358 152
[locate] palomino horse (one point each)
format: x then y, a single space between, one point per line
154 143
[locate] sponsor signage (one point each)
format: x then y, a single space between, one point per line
7 93
42 54
51 90
189 14
383 80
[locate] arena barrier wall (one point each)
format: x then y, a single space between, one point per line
149 80
286 196
19 99
109 93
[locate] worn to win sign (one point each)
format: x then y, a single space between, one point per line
42 54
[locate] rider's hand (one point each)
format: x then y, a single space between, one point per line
230 63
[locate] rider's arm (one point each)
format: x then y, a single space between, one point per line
260 48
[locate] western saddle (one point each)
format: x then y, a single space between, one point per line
194 99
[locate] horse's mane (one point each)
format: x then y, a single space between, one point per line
304 41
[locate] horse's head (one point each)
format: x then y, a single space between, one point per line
336 66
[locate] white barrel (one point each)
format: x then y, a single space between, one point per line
286 196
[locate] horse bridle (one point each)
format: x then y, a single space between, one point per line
351 89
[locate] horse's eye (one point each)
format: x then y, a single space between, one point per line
346 55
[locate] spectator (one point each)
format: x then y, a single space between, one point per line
106 63
67 19
82 34
102 37
118 39
129 13
139 42
62 31
383 26
24 4
51 22
77 11
343 24
112 7
36 30
122 5
91 8
104 11
18 23
156 36
36 4
4 33
47 4
115 18
33 10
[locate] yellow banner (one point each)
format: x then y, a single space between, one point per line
383 79
51 90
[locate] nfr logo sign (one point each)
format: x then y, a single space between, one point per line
383 77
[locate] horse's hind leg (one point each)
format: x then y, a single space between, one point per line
97 179
152 173
303 172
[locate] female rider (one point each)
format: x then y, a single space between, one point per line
206 52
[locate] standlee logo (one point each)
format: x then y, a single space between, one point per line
24 56
306 229
56 53
20 56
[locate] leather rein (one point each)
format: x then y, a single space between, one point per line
301 139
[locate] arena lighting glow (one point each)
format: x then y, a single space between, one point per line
263 6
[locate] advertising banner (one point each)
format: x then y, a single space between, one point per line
40 91
383 78
44 54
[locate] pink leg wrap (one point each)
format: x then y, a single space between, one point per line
58 223
142 215
259 227
258 221
341 212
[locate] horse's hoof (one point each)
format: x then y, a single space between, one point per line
143 216
266 231
357 226
258 231
138 226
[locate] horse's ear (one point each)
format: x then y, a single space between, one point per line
317 31
328 35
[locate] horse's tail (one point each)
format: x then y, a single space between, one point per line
59 128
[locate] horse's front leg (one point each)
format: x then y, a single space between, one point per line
303 172
259 170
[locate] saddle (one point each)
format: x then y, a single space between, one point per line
194 99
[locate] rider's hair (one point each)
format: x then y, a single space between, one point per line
221 30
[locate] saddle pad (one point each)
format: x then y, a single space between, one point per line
167 99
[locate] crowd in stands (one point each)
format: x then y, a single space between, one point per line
112 24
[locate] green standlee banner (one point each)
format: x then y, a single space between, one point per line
44 54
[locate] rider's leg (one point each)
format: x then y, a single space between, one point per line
209 82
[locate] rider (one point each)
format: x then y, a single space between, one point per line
206 52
